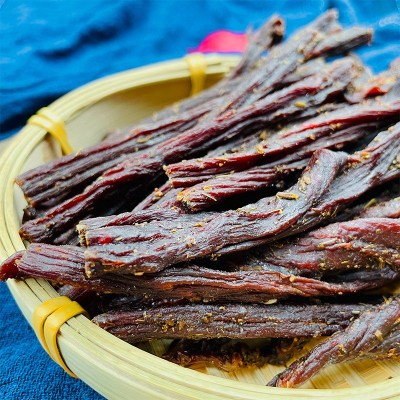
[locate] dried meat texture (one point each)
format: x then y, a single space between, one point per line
174 241
66 265
367 85
8 268
348 39
234 321
360 244
389 209
230 355
323 188
271 33
366 169
215 190
363 335
48 185
289 141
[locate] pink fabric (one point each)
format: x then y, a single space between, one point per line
223 42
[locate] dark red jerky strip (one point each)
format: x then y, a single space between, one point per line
271 33
65 264
342 42
362 243
62 176
337 140
389 348
246 142
288 141
369 168
367 85
215 190
171 244
281 61
388 209
360 337
154 197
142 217
229 355
62 217
235 321
8 268
267 109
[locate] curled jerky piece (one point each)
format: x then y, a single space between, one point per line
235 321
367 332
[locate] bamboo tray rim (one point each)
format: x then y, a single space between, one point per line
137 367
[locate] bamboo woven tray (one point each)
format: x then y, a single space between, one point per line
110 366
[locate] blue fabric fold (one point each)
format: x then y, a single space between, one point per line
49 47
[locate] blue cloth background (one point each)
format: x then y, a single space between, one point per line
49 47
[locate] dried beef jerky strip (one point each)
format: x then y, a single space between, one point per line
235 321
388 209
348 39
299 48
62 176
305 70
163 197
361 336
213 191
229 355
281 61
376 164
153 197
288 141
195 283
169 245
246 142
62 217
270 34
389 348
209 192
367 85
336 140
66 264
362 243
8 268
142 217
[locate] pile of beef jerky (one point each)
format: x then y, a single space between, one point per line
275 214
